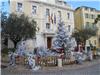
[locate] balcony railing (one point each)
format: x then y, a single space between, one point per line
48 31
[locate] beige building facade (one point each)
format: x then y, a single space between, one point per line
98 33
85 17
47 14
98 26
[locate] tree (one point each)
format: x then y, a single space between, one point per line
61 38
84 34
97 22
18 27
97 19
3 22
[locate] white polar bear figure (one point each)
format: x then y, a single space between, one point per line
31 62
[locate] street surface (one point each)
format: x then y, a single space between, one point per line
87 68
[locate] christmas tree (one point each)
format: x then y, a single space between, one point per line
61 39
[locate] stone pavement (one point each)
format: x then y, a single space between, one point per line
22 70
73 66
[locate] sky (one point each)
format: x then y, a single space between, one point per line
89 3
4 6
76 3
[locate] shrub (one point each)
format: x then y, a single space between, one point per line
5 51
12 49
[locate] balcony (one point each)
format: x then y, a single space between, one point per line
48 31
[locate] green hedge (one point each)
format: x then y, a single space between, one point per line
6 50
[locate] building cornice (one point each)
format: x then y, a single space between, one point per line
53 5
86 7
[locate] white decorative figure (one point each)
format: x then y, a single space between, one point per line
79 57
72 56
31 62
90 56
89 53
21 48
30 44
12 58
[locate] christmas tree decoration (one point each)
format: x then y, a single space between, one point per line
62 40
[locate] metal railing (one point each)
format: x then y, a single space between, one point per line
46 61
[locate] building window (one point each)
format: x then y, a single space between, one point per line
89 41
92 16
86 8
2 6
95 42
47 25
59 15
3 3
91 9
69 27
99 38
19 7
34 8
48 18
68 15
86 15
87 24
47 12
93 25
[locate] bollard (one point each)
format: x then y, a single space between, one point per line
59 62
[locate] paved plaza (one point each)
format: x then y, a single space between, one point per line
87 68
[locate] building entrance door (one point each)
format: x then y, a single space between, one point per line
49 42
